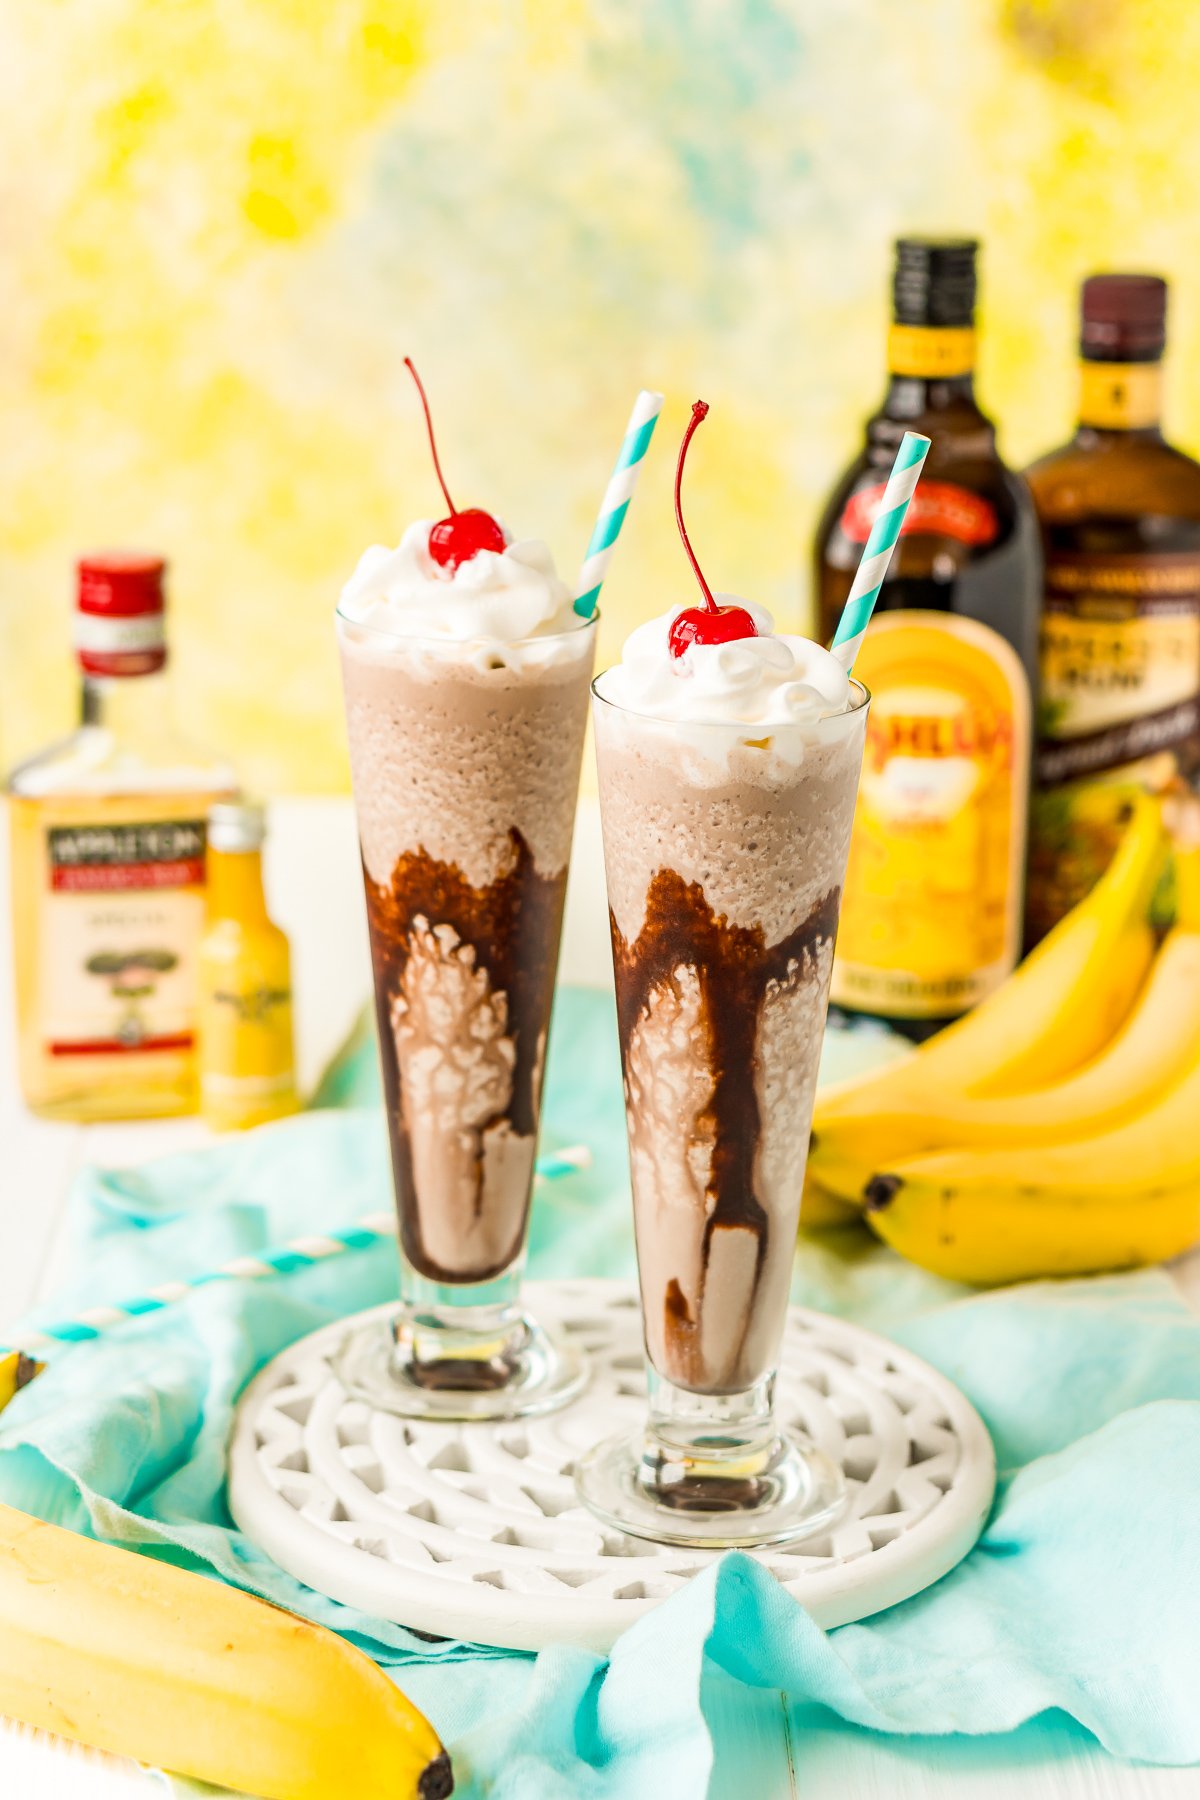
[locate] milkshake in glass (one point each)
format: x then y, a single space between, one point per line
728 759
466 675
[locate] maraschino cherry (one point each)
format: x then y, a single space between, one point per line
710 623
464 534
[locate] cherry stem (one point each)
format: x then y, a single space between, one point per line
699 412
412 369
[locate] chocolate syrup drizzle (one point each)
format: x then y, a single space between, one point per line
734 967
513 927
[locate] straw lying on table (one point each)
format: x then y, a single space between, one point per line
617 496
877 552
285 1259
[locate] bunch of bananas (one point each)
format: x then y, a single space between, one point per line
1056 1129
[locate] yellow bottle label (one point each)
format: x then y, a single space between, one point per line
931 909
1120 396
245 1036
1120 708
930 351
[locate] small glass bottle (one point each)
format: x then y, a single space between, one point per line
108 869
247 1064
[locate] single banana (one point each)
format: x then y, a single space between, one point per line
16 1371
1187 884
1126 1196
988 1235
1159 1040
148 1661
1052 1015
1181 815
822 1211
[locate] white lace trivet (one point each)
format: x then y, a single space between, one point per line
474 1531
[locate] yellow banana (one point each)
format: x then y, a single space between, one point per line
1187 885
822 1211
1159 1040
16 1371
991 1235
1051 1016
1181 814
145 1660
1125 1196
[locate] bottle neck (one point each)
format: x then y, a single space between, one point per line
130 706
931 368
235 886
1121 397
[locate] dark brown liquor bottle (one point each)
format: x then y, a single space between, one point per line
931 909
1120 650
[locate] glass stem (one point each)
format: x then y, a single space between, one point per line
469 1333
708 1437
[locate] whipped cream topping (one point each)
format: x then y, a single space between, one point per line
771 679
496 597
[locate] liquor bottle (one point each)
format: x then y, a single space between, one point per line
931 908
247 1069
107 834
1120 652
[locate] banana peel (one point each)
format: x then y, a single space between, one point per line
822 1211
986 1235
148 1661
16 1371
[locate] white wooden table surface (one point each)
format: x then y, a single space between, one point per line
314 891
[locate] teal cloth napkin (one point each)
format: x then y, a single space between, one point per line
1080 1597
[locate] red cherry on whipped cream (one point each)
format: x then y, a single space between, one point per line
710 623
456 539
460 537
696 625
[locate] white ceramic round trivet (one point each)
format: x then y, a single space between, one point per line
475 1531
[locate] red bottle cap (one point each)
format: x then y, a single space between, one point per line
119 622
1123 318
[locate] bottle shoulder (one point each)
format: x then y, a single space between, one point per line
95 762
969 504
1115 476
46 769
256 933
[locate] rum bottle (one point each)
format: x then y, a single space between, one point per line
1120 641
108 872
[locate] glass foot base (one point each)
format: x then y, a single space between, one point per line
644 1488
422 1369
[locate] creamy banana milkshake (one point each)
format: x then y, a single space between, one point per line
728 758
727 793
466 674
465 758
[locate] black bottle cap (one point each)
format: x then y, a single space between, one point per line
1123 318
934 282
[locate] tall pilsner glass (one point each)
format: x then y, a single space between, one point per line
465 764
725 855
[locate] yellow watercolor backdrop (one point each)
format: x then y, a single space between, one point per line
226 221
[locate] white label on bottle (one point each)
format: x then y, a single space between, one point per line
102 635
122 921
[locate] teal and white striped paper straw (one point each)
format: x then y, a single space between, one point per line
877 552
617 496
286 1259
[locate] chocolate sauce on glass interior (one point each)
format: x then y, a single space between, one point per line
734 966
507 931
